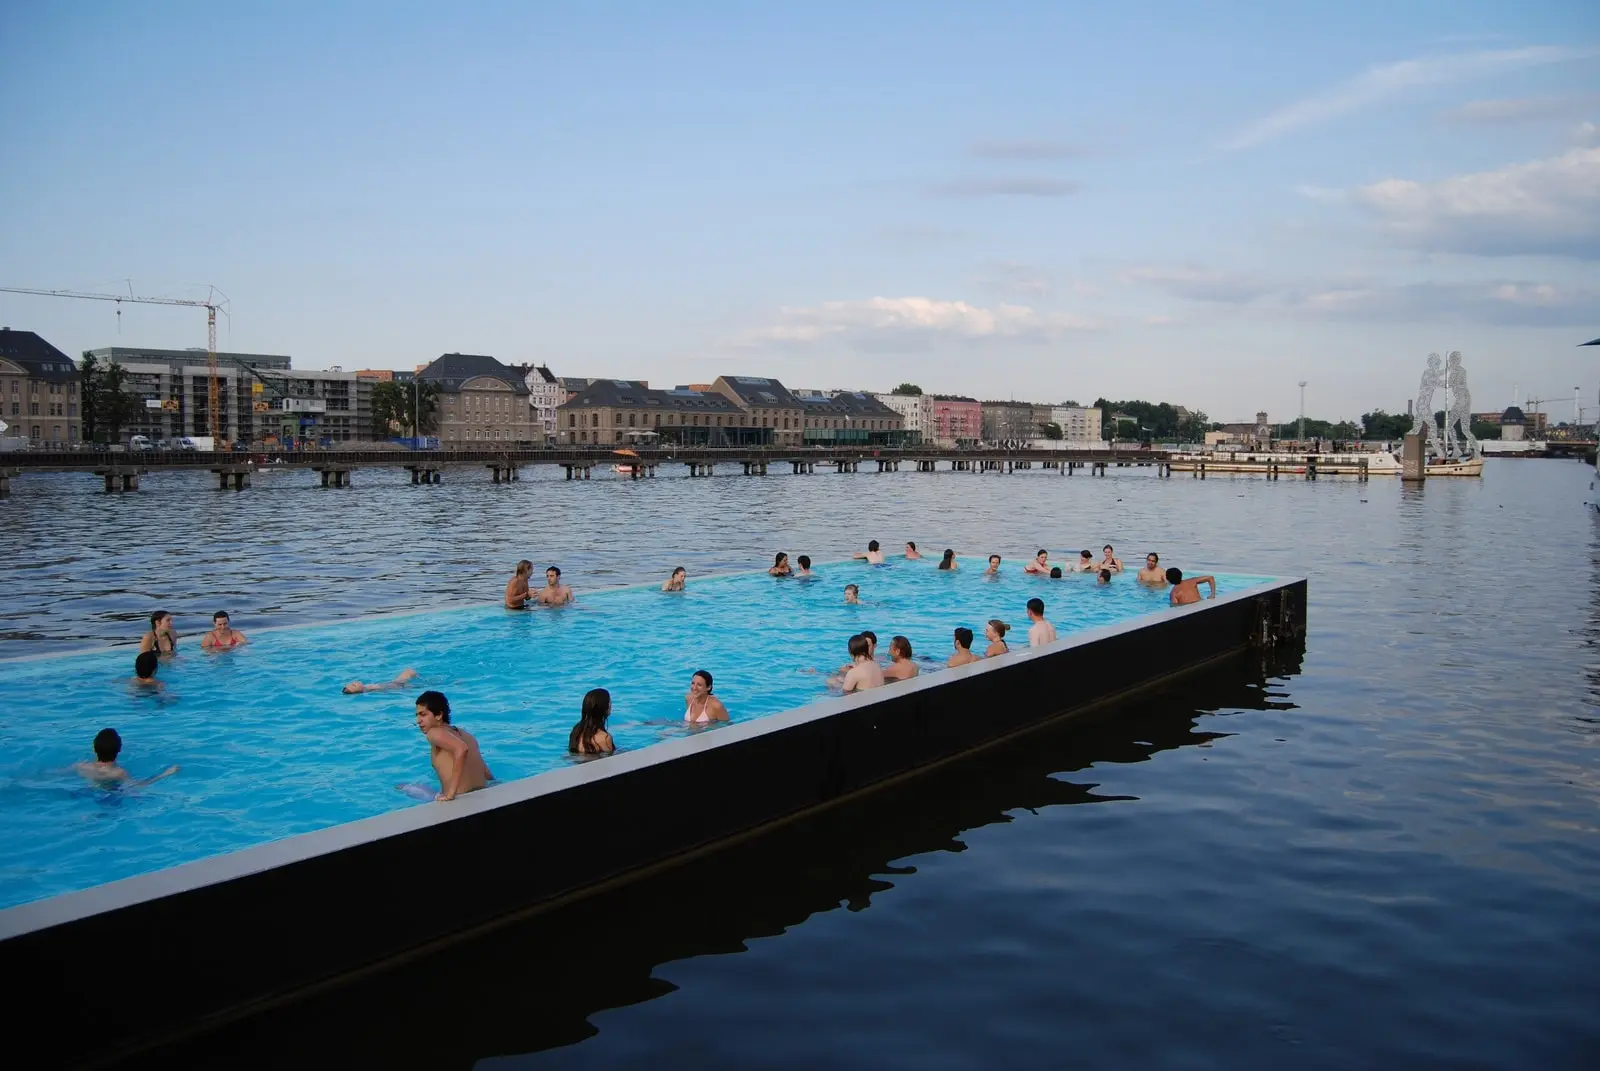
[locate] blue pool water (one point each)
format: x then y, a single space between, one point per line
269 747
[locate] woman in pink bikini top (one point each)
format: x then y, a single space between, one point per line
703 707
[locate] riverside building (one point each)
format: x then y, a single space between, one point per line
768 404
957 421
916 414
174 387
39 398
627 412
480 401
851 418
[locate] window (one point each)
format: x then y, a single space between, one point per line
55 432
33 408
619 435
594 420
631 419
35 430
583 436
16 407
572 420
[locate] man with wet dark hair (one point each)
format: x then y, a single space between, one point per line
864 671
1184 591
453 751
104 769
554 592
1152 573
144 670
873 555
1040 632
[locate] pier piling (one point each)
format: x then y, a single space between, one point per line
333 475
6 476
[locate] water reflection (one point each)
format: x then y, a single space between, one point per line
535 986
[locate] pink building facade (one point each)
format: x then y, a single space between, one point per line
957 421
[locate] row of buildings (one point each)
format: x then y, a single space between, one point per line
262 398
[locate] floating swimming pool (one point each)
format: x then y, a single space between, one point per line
269 747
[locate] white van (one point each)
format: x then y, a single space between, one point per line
140 442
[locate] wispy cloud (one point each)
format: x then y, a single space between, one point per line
1026 149
1006 187
1015 277
1543 207
889 321
1383 83
1522 109
1194 283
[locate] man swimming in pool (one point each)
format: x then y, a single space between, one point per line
1152 573
104 769
223 636
963 654
453 751
912 553
1184 591
1040 566
994 566
144 671
852 595
1041 631
873 555
864 671
554 592
357 687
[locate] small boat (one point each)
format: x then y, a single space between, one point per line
1456 466
1351 463
625 468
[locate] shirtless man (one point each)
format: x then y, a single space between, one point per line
1041 631
554 592
222 636
994 566
517 593
805 567
901 667
873 555
144 670
104 769
454 751
864 672
852 595
1085 562
963 645
1184 591
1111 561
1040 566
357 687
912 554
1152 573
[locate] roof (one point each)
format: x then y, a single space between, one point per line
758 392
1513 415
42 360
954 398
545 373
632 393
847 403
573 383
452 370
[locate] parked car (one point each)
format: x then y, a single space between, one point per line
140 442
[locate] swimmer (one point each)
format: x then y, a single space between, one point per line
948 562
144 670
517 593
912 554
1041 631
104 769
852 595
589 736
995 632
675 582
805 567
703 707
1111 561
453 750
1152 573
222 636
873 555
357 687
160 639
780 565
1055 572
1184 591
1104 577
554 592
963 645
1040 566
1085 562
863 672
901 667
994 566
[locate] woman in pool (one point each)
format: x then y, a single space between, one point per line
703 707
949 560
676 581
223 636
780 565
517 594
160 639
995 632
1105 577
900 667
589 736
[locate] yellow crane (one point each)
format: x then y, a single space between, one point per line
214 300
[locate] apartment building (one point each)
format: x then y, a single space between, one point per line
624 412
39 390
849 418
957 421
480 401
768 403
916 414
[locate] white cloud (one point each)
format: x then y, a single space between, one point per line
1545 206
1382 83
884 320
1499 302
1026 149
1522 109
1007 187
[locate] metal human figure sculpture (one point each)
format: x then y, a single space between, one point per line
1432 380
1460 408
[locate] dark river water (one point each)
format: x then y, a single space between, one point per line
1382 850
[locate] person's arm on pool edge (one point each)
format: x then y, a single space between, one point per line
458 753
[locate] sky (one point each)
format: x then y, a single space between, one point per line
1201 204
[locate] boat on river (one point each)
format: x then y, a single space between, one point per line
1348 463
625 467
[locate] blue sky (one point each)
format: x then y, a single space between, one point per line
1194 203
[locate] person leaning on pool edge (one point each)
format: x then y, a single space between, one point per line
589 736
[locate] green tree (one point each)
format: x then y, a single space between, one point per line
1051 430
1381 425
907 388
88 385
1484 430
391 409
113 406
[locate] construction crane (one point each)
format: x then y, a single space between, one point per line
211 305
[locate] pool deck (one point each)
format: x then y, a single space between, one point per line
213 939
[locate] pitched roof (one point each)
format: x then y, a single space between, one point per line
631 393
452 370
754 391
848 403
42 360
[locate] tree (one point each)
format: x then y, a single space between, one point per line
908 388
1380 425
397 406
103 393
1484 430
88 384
1051 430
